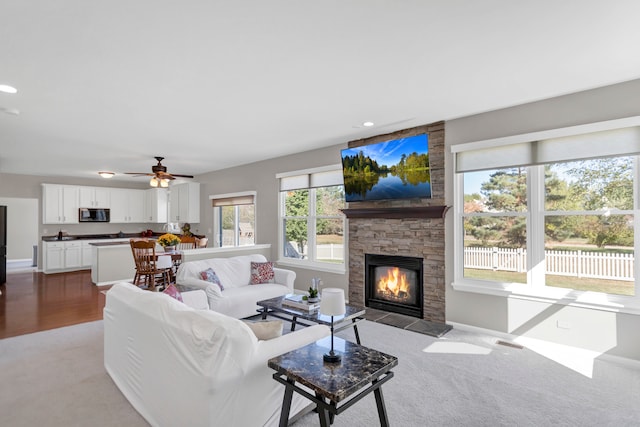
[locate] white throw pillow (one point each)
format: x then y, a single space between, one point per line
266 329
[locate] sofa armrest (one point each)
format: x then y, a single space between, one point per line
284 277
291 341
212 290
196 299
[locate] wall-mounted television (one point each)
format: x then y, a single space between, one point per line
396 169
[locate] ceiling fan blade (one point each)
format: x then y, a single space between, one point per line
159 171
139 173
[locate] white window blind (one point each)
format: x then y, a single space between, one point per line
310 179
233 199
557 146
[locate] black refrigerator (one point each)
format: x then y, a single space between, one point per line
3 244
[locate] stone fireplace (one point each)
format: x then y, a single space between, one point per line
394 283
412 228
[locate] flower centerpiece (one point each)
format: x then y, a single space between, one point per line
168 241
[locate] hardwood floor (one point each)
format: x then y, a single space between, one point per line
32 302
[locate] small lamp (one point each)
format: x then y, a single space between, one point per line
153 182
332 304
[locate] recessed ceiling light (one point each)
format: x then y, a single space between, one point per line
106 174
8 89
368 124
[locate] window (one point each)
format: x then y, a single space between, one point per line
234 219
495 225
311 222
551 216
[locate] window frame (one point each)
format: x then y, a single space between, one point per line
310 262
217 218
535 288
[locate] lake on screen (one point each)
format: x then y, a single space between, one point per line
392 187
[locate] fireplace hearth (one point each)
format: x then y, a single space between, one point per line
394 284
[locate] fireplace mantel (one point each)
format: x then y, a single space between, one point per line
408 212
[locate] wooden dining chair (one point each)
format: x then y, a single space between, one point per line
187 242
148 271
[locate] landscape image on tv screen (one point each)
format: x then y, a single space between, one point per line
396 169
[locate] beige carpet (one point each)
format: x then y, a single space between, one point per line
57 378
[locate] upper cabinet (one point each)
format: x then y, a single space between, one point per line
59 204
94 197
184 202
180 203
156 205
127 205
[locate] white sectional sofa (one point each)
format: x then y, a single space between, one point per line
180 366
239 297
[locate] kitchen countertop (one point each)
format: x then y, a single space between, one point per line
95 237
109 243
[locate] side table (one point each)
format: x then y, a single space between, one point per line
337 386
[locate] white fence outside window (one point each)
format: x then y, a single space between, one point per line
327 251
597 265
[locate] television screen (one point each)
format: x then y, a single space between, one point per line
396 169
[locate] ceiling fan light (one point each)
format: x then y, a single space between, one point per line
153 182
164 183
106 174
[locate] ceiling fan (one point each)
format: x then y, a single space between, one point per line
160 175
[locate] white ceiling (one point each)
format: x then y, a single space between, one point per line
212 84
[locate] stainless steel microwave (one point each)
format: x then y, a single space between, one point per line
94 215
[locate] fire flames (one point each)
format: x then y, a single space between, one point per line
395 284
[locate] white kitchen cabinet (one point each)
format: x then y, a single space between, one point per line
94 197
72 254
53 256
184 202
156 205
127 205
87 255
59 204
62 256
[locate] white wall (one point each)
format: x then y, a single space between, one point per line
603 331
22 227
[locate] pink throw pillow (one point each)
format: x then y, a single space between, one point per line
262 272
173 292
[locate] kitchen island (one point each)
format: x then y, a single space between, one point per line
112 262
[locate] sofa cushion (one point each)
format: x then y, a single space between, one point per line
173 292
233 272
210 276
262 272
266 329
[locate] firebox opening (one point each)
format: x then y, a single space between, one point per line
394 283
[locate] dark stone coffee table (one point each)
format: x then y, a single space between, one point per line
336 386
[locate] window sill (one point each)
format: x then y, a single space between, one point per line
309 265
549 295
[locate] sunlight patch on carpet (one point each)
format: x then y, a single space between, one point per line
576 359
